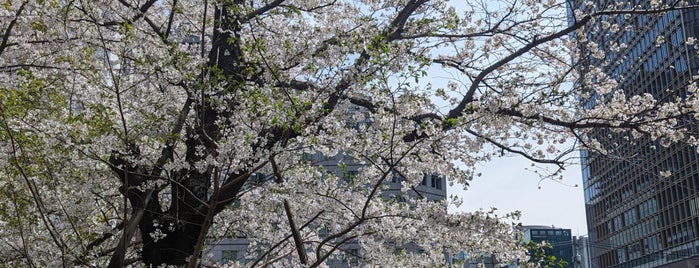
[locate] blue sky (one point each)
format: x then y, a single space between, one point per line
508 186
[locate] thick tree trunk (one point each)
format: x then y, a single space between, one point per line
176 247
169 237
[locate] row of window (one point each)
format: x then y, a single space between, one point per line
550 233
619 250
620 182
634 211
349 257
679 201
434 181
652 244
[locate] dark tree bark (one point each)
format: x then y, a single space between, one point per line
227 68
185 217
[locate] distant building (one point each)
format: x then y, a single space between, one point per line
559 239
581 252
432 187
462 260
229 249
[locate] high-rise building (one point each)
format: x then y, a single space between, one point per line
642 204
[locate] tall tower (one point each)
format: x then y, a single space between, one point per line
642 202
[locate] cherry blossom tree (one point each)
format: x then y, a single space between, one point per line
135 132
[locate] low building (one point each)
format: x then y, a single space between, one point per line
559 239
432 187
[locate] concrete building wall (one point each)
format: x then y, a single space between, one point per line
433 187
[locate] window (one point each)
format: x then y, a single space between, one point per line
617 223
257 178
621 254
323 232
307 157
350 175
630 216
436 181
352 257
229 255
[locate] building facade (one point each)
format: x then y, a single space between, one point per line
559 240
642 203
432 187
581 252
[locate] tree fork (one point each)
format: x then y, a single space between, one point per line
183 223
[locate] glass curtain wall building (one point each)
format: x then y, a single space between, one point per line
559 240
639 215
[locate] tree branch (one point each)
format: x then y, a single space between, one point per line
6 35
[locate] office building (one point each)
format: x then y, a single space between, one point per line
642 201
559 241
432 187
581 252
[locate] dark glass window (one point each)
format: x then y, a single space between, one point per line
229 255
436 181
